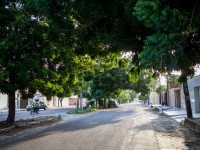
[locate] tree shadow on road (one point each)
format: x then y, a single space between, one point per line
79 123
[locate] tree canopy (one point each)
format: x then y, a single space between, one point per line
175 38
48 45
109 83
174 45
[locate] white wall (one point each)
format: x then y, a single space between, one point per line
54 102
153 98
171 100
182 99
3 101
192 85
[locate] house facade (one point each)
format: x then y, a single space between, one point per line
73 101
54 102
176 98
194 91
4 101
22 103
154 98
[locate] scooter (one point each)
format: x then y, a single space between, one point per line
34 110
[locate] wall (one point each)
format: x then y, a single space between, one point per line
73 100
194 91
182 99
154 98
3 101
54 102
50 103
173 98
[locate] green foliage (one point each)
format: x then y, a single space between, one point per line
134 73
143 97
161 88
50 45
110 83
124 97
83 111
174 81
175 39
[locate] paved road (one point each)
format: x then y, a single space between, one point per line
129 127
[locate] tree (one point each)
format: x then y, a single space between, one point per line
36 53
175 38
123 97
110 83
22 52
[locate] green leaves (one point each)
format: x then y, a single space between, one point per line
162 50
134 74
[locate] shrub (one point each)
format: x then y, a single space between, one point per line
81 111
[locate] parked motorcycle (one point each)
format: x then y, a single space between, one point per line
34 110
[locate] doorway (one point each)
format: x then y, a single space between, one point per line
197 99
177 95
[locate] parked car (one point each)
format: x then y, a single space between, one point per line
112 103
42 106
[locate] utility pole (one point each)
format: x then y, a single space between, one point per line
160 93
168 88
81 104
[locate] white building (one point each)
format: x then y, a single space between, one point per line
194 91
3 101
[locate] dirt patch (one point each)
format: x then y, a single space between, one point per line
20 125
170 132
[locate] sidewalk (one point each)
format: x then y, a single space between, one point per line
175 113
180 115
48 107
169 133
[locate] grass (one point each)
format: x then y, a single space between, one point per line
83 111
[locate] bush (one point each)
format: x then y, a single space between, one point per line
81 111
143 97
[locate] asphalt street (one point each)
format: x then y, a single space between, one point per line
129 127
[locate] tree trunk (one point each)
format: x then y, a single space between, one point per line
81 101
77 104
187 100
168 87
104 103
61 102
11 107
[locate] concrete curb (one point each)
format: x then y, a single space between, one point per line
8 128
193 124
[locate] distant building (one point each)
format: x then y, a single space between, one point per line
154 98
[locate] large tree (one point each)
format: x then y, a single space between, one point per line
36 49
23 48
111 82
174 45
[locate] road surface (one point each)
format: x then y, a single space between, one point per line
129 127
